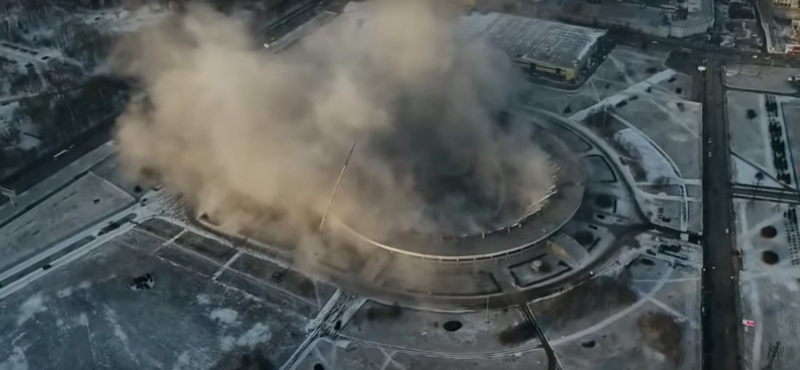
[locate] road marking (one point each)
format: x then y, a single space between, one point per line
107 182
613 318
387 358
314 329
390 359
243 274
226 265
166 242
676 119
674 312
623 95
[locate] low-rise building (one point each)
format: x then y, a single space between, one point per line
793 41
558 50
791 4
695 17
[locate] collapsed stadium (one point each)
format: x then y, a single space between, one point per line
555 242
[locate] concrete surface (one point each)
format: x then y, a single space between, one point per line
186 321
762 78
769 288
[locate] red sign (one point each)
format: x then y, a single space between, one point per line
749 323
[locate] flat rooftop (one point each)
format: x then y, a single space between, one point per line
526 39
533 39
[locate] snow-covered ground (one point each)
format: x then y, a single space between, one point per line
790 107
624 66
750 138
26 133
746 173
655 165
769 288
54 50
659 127
121 20
186 321
214 304
762 78
672 122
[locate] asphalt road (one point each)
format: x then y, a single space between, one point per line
46 165
730 55
720 280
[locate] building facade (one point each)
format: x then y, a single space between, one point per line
791 4
555 50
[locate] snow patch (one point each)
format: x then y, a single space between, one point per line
225 316
129 21
654 164
203 299
226 343
745 173
120 334
111 316
83 320
183 362
259 333
34 305
27 142
68 291
63 293
7 110
17 360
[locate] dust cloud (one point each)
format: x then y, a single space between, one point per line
256 138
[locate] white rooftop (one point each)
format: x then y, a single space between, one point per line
523 38
533 39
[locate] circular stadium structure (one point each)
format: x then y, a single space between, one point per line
572 230
545 215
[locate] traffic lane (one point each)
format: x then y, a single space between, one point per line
728 54
46 165
719 288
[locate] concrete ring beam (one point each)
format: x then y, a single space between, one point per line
556 211
545 255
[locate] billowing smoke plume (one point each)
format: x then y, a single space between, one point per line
257 138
